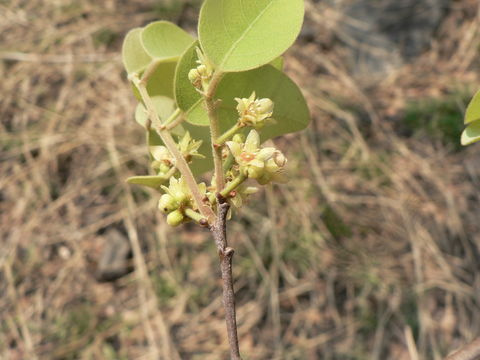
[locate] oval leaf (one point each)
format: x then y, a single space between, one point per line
163 40
164 107
473 110
239 35
134 57
200 166
471 134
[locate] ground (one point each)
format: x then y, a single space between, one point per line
369 252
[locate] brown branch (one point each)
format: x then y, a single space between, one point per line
219 231
468 352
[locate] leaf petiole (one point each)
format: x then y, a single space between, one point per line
174 120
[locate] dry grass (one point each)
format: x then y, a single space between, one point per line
371 252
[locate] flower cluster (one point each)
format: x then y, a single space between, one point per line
162 159
244 158
200 76
177 200
263 164
254 112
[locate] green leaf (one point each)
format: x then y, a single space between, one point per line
164 107
163 40
471 134
278 63
150 181
134 57
200 166
473 109
186 96
290 110
239 35
160 81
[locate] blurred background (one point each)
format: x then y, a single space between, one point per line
370 252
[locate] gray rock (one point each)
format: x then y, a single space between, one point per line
114 261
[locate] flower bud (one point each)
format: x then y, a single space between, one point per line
264 106
195 78
193 75
279 159
175 218
163 168
201 75
167 204
238 138
202 70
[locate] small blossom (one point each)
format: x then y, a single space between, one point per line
189 147
179 197
274 169
265 165
254 112
175 218
249 157
200 76
167 203
163 160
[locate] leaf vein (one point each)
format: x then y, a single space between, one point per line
237 42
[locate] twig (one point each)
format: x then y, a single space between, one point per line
468 352
219 231
180 162
211 106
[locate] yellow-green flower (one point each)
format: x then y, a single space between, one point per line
163 160
189 147
200 76
274 169
265 165
249 157
176 218
254 112
178 196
